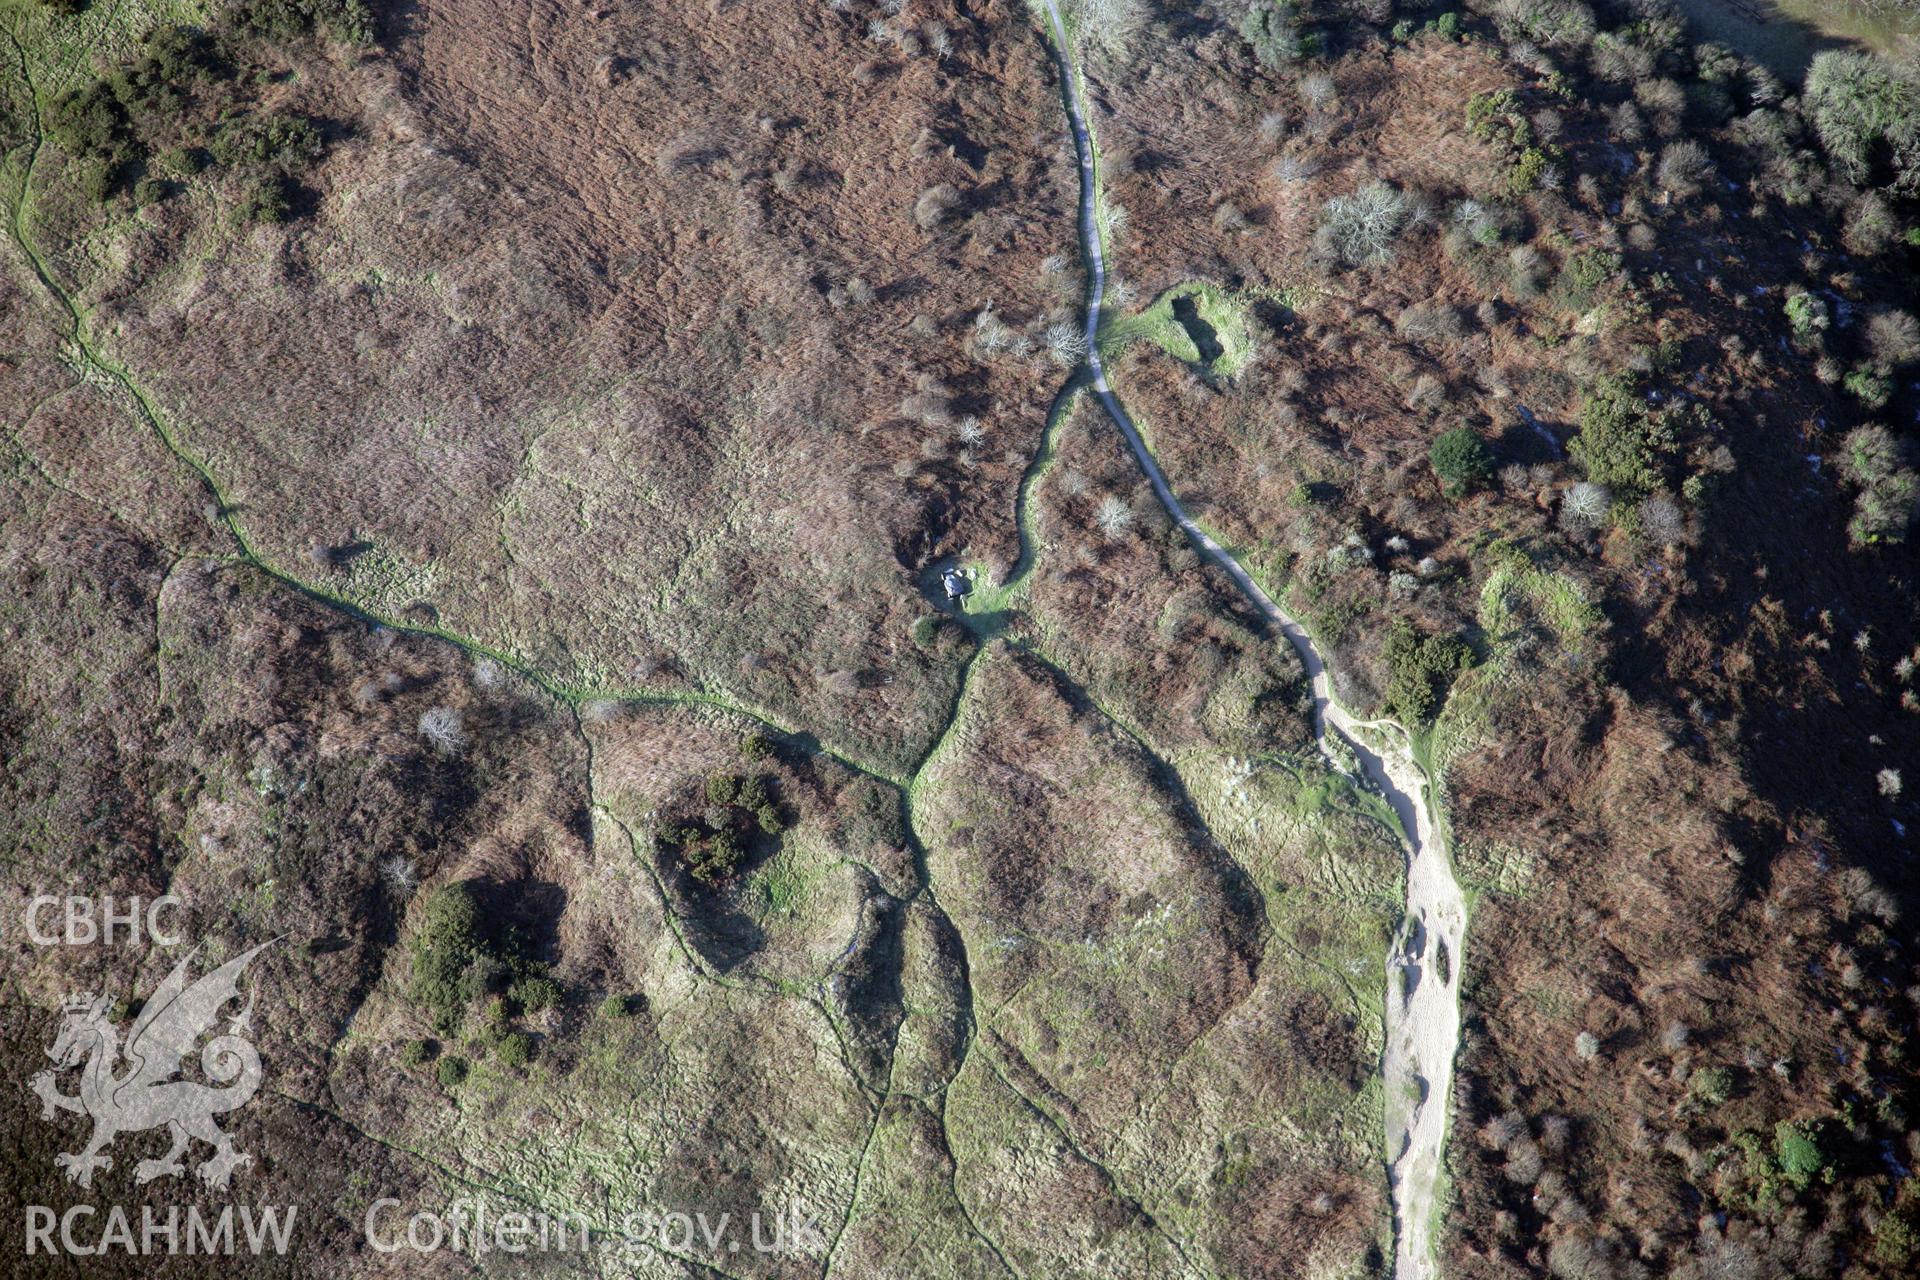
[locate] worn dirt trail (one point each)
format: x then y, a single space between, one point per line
1423 972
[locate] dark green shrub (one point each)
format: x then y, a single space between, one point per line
1420 669
616 1007
483 975
154 87
713 859
285 143
1529 171
1797 1147
1712 1085
1494 115
722 788
1622 443
268 199
451 1073
515 1049
755 747
418 1053
1462 461
870 816
535 994
90 125
346 20
182 162
444 944
1583 275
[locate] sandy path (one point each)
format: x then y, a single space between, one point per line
1423 999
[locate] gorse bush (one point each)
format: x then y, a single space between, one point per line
1420 669
712 846
1494 116
1583 275
347 20
1623 442
455 959
91 125
1796 1146
1532 170
444 945
1462 461
284 143
1871 386
1712 1085
153 111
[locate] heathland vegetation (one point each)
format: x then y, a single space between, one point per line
448 466
1581 301
184 107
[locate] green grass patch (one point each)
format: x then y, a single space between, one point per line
1517 592
1183 320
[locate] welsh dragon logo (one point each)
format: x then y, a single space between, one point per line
147 1094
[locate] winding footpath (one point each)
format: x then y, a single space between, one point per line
1422 998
